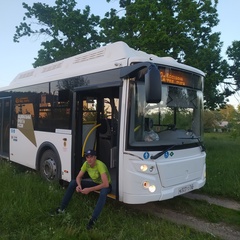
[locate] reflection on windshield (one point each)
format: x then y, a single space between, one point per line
175 120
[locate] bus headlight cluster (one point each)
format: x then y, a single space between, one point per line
147 185
145 167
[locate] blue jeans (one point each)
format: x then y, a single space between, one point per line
85 184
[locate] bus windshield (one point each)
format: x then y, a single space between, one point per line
176 120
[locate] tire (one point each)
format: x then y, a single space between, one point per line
50 169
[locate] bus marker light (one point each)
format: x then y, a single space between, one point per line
146 184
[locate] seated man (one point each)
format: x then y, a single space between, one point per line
101 181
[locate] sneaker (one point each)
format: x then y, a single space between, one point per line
58 211
90 224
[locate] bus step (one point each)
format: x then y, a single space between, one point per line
110 195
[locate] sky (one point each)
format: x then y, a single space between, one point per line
18 57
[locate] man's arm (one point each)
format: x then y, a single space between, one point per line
78 180
104 184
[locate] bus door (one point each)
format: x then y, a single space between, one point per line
97 126
5 112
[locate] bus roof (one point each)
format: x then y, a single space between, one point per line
111 56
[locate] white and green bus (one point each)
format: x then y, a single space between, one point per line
140 112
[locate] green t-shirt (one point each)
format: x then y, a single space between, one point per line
96 171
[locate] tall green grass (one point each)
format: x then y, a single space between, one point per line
26 200
223 181
223 166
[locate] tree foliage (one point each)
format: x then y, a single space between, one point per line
225 119
67 30
182 29
233 53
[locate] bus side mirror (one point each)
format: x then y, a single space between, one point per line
153 85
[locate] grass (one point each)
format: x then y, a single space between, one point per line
203 210
26 200
223 164
223 181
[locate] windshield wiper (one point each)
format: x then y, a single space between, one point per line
200 143
161 153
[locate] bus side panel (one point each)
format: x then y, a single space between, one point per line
62 140
24 152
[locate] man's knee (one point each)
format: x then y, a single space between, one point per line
73 184
104 191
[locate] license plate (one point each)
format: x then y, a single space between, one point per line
185 189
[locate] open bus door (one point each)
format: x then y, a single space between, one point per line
5 121
96 128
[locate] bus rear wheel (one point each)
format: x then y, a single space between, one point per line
50 166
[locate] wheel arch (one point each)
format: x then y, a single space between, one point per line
43 148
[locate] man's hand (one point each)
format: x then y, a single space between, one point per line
78 189
85 191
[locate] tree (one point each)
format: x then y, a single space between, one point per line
233 53
67 31
181 29
228 113
209 121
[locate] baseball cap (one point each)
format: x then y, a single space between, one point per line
90 152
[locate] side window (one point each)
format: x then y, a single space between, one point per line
26 108
23 105
54 112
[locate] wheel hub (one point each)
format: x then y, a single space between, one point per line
50 169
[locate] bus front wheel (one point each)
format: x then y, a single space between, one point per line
50 166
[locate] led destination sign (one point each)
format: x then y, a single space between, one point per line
172 79
175 77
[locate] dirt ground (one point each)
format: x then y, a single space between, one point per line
218 230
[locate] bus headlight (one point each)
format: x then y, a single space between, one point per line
144 168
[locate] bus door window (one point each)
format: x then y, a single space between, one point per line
89 121
4 125
108 132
